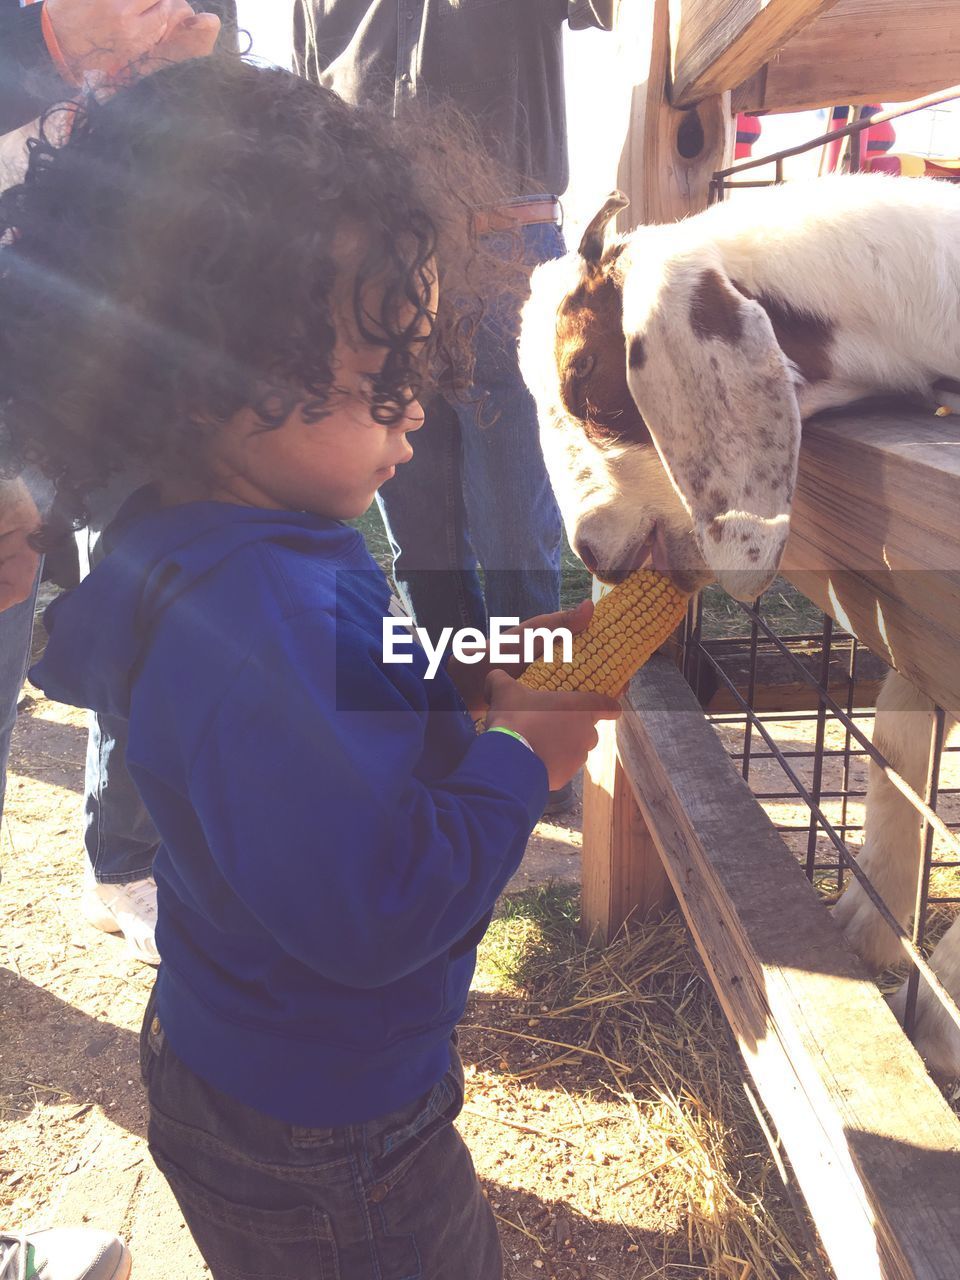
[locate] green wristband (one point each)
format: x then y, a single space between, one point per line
499 728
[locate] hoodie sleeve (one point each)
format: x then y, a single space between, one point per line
319 821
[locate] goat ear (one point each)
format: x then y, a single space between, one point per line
716 392
591 245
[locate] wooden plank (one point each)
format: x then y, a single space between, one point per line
621 868
862 51
717 44
875 1148
669 156
796 695
875 538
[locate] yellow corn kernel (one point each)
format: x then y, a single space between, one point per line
628 625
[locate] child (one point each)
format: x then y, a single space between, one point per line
229 279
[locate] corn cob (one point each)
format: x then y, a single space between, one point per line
628 625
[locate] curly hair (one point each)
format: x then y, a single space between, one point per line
180 256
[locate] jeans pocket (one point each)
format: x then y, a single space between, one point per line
247 1242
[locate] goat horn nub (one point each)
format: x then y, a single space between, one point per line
591 246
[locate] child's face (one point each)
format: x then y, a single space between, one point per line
332 467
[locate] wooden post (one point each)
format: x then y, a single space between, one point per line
669 156
622 871
717 44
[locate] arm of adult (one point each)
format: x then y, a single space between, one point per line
18 560
46 48
590 13
29 80
111 35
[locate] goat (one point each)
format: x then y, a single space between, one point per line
672 368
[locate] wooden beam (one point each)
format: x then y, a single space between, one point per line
875 537
621 868
717 44
862 51
669 156
875 1148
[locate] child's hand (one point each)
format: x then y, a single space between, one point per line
18 560
471 678
560 727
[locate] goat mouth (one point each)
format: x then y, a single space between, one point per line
649 554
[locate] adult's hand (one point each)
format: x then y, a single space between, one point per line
18 560
111 35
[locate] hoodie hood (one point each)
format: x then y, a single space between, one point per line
98 631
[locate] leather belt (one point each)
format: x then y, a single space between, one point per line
507 216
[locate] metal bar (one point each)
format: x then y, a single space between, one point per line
937 734
751 688
880 760
906 945
818 746
904 109
845 784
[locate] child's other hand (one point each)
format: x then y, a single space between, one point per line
18 560
471 678
560 727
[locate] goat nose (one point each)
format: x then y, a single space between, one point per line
586 554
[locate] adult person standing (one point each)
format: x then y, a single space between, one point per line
48 51
474 493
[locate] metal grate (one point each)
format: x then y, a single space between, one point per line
752 736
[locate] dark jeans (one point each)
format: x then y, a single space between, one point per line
393 1199
118 834
476 491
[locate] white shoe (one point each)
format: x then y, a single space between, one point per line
130 909
64 1253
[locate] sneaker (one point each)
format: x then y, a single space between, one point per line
63 1253
130 909
560 801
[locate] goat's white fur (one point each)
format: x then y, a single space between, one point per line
879 260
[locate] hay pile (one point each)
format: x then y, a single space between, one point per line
691 1176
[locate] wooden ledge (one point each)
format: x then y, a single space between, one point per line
875 537
875 1147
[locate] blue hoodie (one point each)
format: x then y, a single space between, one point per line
334 834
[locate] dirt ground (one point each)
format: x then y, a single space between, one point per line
557 1151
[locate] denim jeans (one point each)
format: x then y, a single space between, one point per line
393 1199
477 492
16 632
120 839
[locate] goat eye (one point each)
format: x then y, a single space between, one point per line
582 364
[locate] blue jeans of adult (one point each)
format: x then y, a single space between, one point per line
119 838
476 491
118 835
16 632
396 1198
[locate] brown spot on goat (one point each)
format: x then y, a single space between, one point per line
718 502
803 337
715 309
591 357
